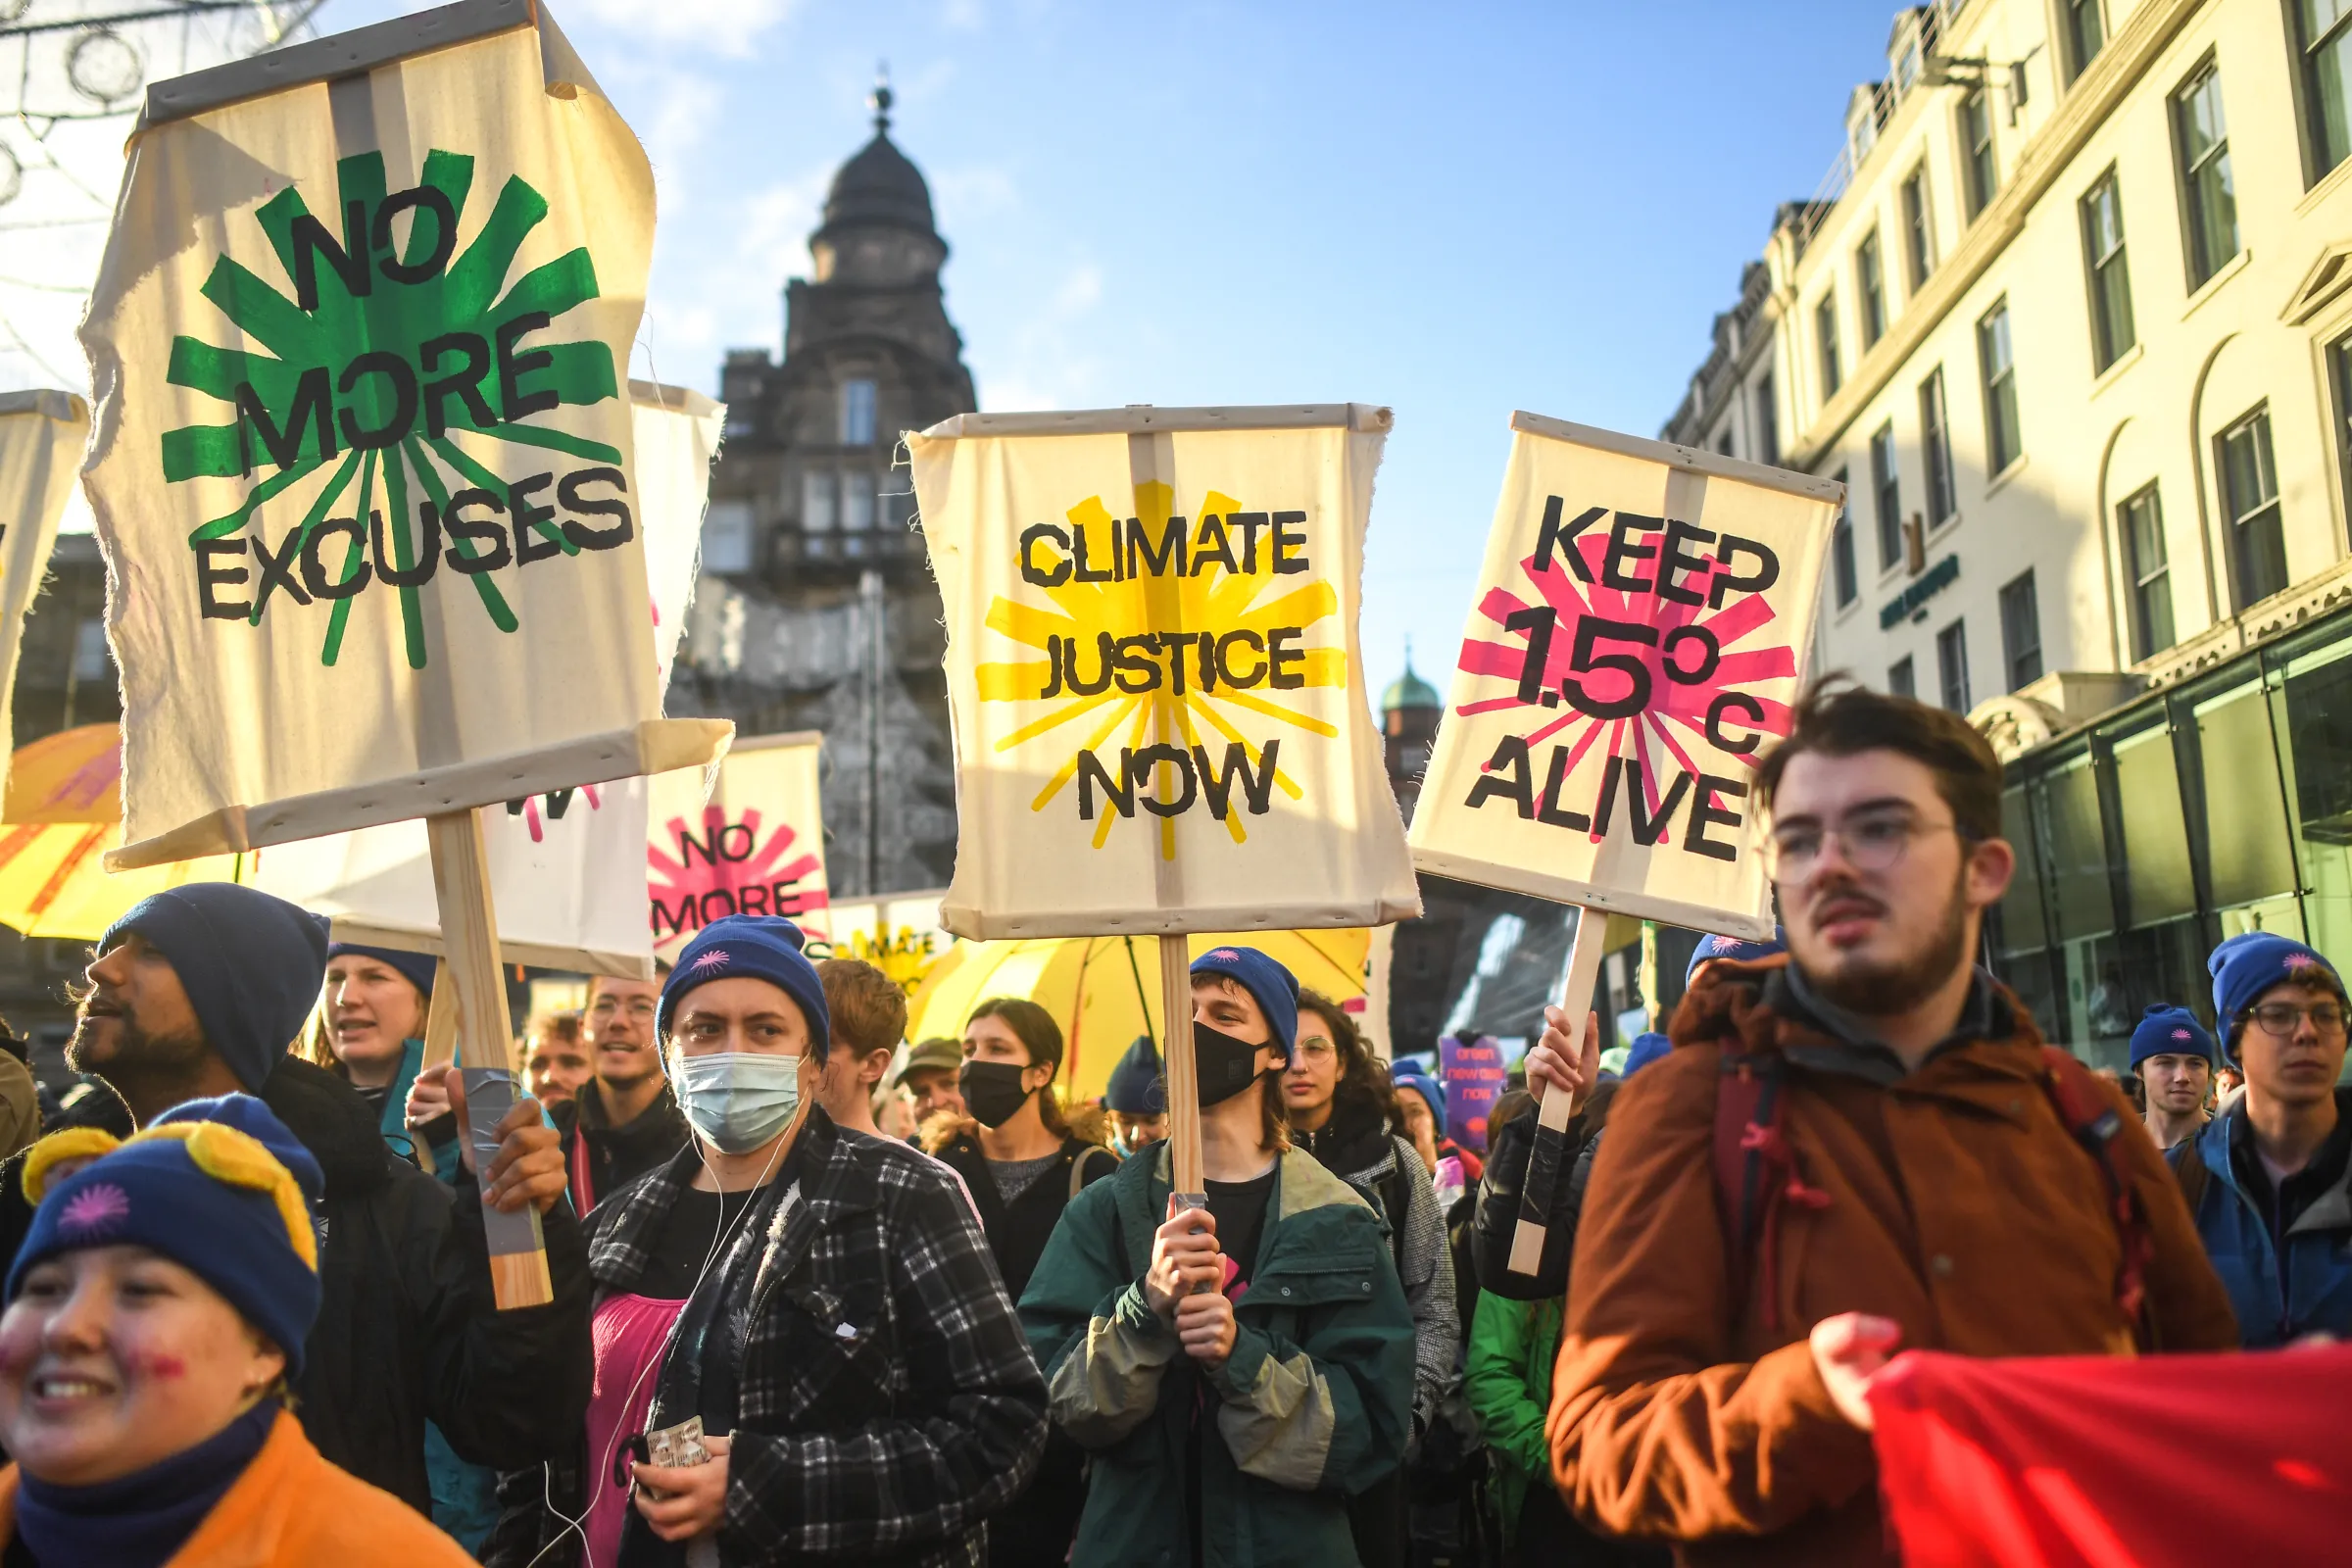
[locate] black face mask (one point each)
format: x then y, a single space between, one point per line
1223 1065
991 1092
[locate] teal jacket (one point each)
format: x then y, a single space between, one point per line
1508 1381
1314 1405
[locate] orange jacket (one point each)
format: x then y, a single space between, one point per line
292 1509
1959 1205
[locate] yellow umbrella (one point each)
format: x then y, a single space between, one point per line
64 812
1104 990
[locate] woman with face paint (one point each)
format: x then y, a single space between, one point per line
1023 1165
820 1301
1236 1371
155 1312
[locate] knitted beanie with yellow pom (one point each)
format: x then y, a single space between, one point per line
218 1186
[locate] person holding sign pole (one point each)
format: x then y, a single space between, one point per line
1860 1147
1238 1372
198 991
817 1308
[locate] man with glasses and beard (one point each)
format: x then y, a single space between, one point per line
1909 1175
2270 1179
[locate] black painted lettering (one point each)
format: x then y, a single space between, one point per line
1548 809
1727 702
1287 540
1167 560
535 534
1101 681
1092 774
466 531
403 383
1551 536
209 576
1506 777
314 562
465 383
1139 778
1704 814
1673 561
1078 554
1217 784
1053 645
1767 573
1242 680
1622 550
569 496
1278 655
425 561
313 409
278 571
1138 672
309 239
512 401
1649 829
1213 528
424 261
1251 525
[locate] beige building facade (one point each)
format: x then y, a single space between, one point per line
2072 317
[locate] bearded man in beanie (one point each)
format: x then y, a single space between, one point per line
2270 1179
199 991
1239 1371
1915 1172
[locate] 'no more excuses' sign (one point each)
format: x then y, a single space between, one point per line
363 466
1160 720
1643 618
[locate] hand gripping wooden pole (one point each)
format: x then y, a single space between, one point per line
1176 1058
469 940
1552 1126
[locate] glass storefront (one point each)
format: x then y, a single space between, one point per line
2218 805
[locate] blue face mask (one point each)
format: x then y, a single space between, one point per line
738 1099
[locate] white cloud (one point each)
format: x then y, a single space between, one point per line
714 26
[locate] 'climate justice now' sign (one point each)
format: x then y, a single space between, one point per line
1636 645
1160 721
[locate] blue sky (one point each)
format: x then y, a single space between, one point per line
1455 210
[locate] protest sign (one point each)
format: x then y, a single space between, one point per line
754 844
1160 712
566 865
41 436
1642 622
1473 1074
363 467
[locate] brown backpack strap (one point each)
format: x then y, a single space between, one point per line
2189 1168
2092 1116
1078 1169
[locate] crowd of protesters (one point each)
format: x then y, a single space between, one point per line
823 1295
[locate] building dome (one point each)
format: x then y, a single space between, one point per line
879 185
1409 690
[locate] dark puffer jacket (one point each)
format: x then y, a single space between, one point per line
407 1329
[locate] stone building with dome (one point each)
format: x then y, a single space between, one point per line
815 609
1408 729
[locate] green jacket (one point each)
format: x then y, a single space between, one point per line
1508 1384
1314 1405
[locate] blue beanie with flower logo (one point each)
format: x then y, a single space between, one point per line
763 946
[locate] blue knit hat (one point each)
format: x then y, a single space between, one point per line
2165 1030
1647 1047
1136 1088
2251 963
765 947
1412 1075
1738 948
218 1186
1274 987
251 964
415 968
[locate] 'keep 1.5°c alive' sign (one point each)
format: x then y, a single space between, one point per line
365 467
1153 668
1636 643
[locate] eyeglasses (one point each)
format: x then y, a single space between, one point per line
1869 841
2283 1018
639 1008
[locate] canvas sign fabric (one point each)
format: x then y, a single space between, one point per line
566 864
755 844
1640 631
1158 700
364 473
41 437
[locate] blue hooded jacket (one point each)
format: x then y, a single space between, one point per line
2313 1290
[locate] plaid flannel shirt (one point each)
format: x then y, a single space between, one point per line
888 1403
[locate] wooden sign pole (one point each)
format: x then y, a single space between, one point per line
1552 1126
518 1274
441 1018
1176 1060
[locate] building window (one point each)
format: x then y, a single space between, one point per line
1871 277
2207 201
2004 439
2250 496
91 657
1768 424
856 502
1723 442
1919 240
727 536
2085 31
1900 682
1976 138
1842 575
1935 446
2021 631
2140 521
858 414
1951 665
1824 335
2111 329
817 501
1886 485
2326 34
